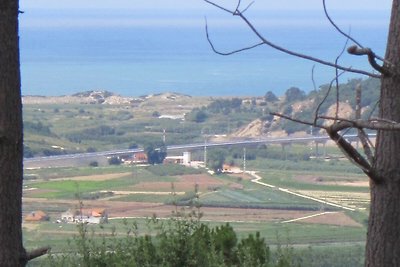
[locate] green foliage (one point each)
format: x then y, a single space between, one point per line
370 94
155 155
215 159
196 115
37 128
155 114
122 115
53 151
28 153
294 94
133 146
270 97
225 241
114 161
292 127
91 149
91 133
175 242
225 106
253 252
94 164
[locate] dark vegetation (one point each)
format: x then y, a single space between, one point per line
175 242
155 155
185 241
114 161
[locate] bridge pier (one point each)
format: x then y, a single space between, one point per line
284 151
317 152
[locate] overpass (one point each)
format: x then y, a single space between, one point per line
74 159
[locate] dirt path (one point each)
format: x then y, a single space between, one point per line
309 216
257 179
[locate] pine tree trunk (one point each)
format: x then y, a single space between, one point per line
383 241
11 249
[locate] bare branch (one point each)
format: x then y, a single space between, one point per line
348 150
353 155
290 52
231 52
358 101
339 124
357 51
348 35
337 77
320 61
366 145
361 133
384 120
326 96
337 27
374 124
312 78
220 7
373 109
342 123
315 89
244 10
297 120
33 254
238 5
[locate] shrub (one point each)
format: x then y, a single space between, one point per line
197 115
91 149
114 161
38 128
176 242
28 153
93 164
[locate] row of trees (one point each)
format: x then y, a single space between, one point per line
176 242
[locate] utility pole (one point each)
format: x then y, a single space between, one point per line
164 136
205 151
244 160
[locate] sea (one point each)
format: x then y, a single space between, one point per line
64 53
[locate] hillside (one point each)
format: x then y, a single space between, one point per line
108 98
100 120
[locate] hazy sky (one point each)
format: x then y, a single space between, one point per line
120 13
199 4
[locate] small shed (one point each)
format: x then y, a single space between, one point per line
37 216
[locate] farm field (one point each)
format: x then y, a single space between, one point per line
137 193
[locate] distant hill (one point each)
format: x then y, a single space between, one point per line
99 97
300 105
101 120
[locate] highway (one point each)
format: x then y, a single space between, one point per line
118 152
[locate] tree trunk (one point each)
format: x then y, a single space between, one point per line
383 240
12 252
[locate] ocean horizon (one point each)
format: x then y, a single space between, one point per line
141 59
